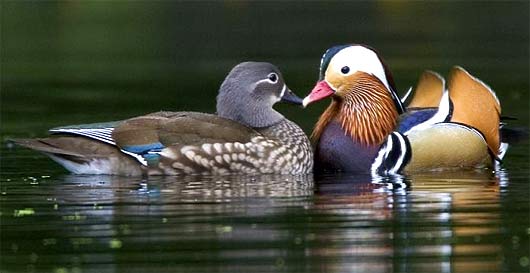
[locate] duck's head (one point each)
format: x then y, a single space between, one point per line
362 91
249 92
343 68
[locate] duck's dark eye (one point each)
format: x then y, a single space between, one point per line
273 77
345 70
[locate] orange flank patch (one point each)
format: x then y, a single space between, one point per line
428 91
476 105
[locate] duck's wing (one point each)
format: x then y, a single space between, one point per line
147 137
97 131
428 95
428 91
475 104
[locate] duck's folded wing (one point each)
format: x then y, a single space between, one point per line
145 137
476 105
98 131
428 91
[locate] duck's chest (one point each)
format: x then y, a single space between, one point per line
289 150
336 151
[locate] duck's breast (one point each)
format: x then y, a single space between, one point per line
337 151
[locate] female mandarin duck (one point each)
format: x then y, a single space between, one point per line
366 128
246 136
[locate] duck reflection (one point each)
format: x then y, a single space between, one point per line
204 221
425 222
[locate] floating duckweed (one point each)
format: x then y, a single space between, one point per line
45 176
75 217
115 244
164 220
60 270
23 212
81 241
223 229
49 241
55 206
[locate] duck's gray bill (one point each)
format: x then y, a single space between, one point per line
290 97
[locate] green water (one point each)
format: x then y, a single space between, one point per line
74 62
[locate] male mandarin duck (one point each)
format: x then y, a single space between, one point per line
366 128
247 136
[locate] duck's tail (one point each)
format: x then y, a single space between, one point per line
78 154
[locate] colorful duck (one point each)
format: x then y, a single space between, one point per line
366 128
246 136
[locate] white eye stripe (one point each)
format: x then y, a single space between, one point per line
283 90
262 81
276 78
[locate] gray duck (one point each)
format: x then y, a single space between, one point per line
246 136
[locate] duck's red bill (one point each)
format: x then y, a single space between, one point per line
321 90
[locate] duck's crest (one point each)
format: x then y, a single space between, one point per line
475 104
326 58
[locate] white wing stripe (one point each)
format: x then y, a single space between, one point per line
103 134
138 157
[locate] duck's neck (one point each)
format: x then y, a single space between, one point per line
367 114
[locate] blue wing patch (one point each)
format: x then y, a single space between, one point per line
411 119
147 154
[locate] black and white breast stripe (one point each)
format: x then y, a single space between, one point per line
393 155
101 134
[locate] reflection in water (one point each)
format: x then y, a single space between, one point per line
436 223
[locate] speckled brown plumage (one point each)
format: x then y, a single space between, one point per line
282 148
